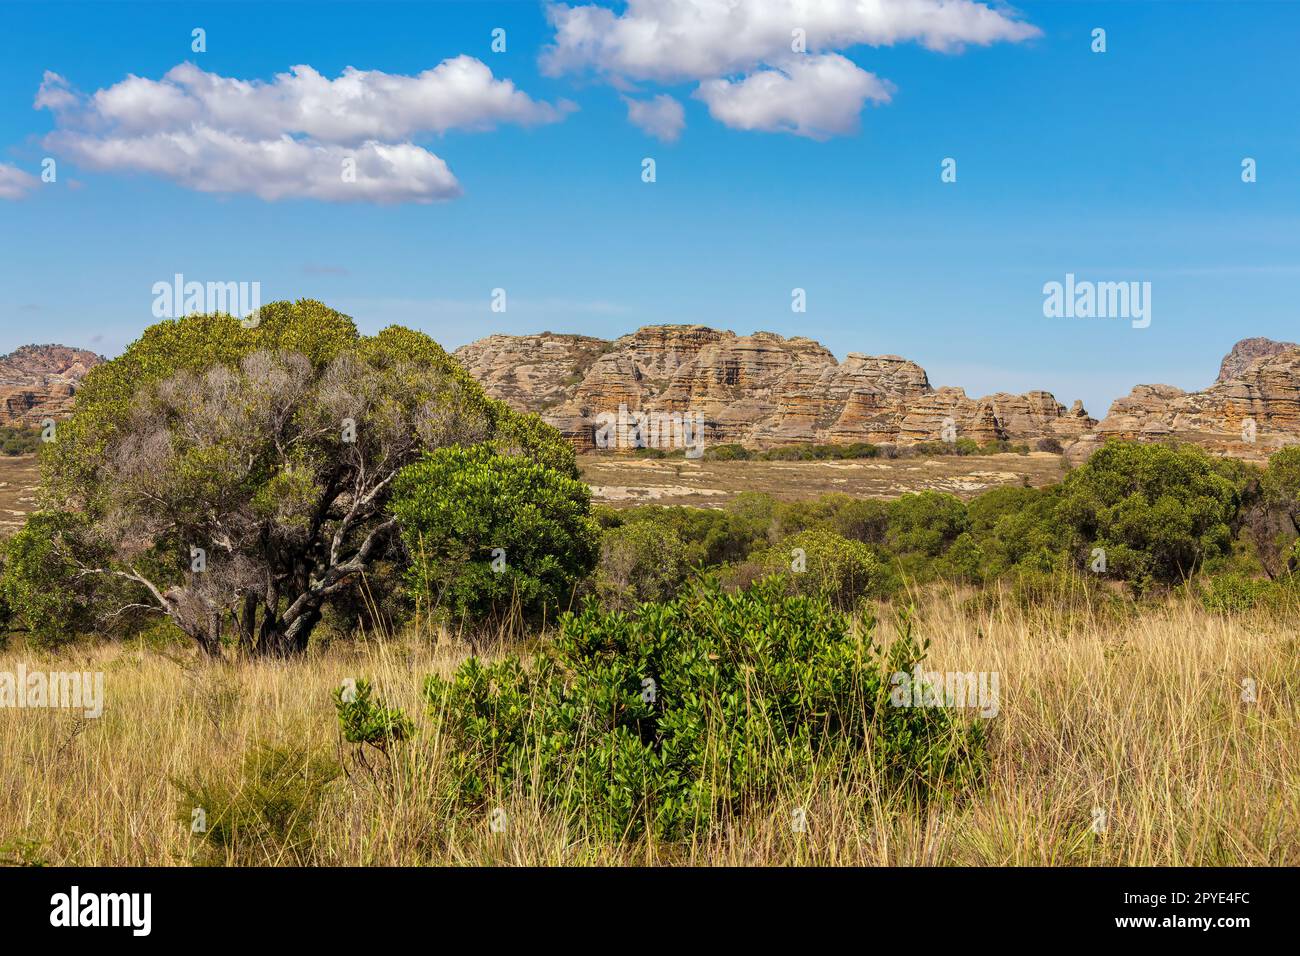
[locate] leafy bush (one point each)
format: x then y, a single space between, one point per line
669 719
964 561
18 440
729 452
266 816
709 536
640 561
819 563
1017 527
862 519
1271 519
489 534
1234 593
733 452
1157 510
1000 446
39 585
365 720
925 523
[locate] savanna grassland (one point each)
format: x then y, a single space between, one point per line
1140 716
349 609
625 480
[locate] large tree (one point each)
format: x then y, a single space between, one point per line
1157 511
231 476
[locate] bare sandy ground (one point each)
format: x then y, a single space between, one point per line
17 491
623 481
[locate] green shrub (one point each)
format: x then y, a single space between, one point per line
788 453
819 563
489 533
964 561
267 815
729 452
673 717
365 720
925 523
860 450
19 440
40 588
640 561
1018 527
862 519
1001 446
1158 511
1271 514
709 537
805 452
1235 593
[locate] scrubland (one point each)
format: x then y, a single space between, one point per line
1120 739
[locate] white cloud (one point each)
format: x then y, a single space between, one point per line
14 183
813 96
714 41
662 117
209 160
291 136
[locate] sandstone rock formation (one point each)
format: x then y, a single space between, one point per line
1246 352
1250 411
759 389
765 390
39 381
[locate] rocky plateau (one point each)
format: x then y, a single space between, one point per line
764 390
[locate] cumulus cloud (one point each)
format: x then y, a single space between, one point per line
739 52
299 135
813 96
662 117
14 183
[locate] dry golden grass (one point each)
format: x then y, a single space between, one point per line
1139 716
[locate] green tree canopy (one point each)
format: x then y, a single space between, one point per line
489 533
1156 510
235 474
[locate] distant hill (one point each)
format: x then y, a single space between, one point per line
765 390
39 381
759 389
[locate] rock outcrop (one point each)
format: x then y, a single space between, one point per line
39 381
760 389
1250 411
1246 352
764 390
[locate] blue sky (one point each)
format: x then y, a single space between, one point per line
1115 166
